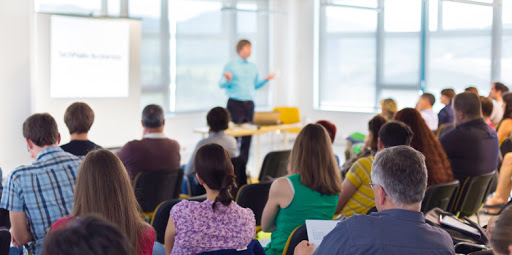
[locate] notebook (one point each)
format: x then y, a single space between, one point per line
318 229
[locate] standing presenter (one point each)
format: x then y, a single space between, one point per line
240 79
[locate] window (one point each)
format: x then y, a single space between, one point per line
185 45
370 50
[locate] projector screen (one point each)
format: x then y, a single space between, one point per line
89 58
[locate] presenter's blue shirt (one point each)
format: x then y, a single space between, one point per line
245 80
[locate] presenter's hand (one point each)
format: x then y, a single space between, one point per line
271 76
228 76
304 248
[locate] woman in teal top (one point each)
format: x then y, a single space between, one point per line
310 192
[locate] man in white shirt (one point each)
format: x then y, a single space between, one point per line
498 89
424 106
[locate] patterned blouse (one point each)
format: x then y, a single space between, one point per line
200 229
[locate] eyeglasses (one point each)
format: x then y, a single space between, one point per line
374 185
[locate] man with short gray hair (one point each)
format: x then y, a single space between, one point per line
155 151
399 180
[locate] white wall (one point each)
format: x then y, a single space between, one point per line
15 100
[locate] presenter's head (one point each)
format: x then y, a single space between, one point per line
153 119
79 118
243 47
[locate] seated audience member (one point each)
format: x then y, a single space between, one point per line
38 194
331 130
445 116
388 108
218 120
472 147
487 107
111 197
79 118
498 90
370 147
505 126
217 223
399 180
356 194
155 151
88 235
472 90
501 237
438 166
311 192
424 106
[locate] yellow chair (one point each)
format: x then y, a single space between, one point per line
298 235
289 115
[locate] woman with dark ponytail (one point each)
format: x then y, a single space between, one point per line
217 223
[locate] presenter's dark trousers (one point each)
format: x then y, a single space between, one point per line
242 112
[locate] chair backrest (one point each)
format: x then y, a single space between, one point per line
439 196
254 197
275 164
161 217
5 240
444 128
289 115
506 146
298 235
240 174
254 248
472 194
153 187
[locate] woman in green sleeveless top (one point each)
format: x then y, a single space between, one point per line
310 192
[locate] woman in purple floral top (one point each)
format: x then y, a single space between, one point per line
217 223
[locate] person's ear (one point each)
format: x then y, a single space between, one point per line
163 122
382 195
58 139
201 182
380 144
142 123
30 144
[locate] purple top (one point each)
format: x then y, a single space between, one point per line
200 229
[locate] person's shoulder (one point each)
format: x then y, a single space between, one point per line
185 207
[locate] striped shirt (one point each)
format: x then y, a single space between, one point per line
359 175
43 190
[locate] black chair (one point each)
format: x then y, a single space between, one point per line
275 164
372 210
444 128
153 187
439 195
506 146
5 240
472 195
254 197
298 235
161 217
254 248
240 174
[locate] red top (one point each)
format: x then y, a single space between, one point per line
146 240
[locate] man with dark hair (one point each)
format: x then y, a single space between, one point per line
424 106
399 181
79 118
218 120
472 147
155 151
357 196
89 235
445 116
498 90
39 194
487 108
241 81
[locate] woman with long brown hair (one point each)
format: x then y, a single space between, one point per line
311 192
438 166
103 188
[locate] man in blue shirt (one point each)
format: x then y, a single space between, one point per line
241 81
399 180
39 194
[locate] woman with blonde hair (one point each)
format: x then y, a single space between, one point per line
388 108
310 192
103 188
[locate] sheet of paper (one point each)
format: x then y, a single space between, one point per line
318 229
